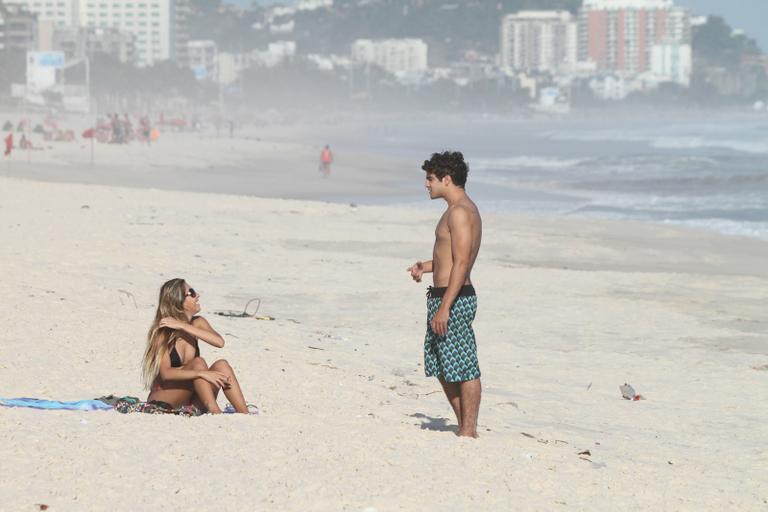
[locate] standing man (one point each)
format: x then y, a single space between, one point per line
450 351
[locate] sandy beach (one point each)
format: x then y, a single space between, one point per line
569 309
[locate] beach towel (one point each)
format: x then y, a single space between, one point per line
129 404
36 403
125 405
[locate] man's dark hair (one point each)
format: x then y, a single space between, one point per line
448 163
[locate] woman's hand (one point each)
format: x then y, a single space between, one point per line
172 323
216 378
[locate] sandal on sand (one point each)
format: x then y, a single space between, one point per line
253 410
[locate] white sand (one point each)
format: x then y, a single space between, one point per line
569 310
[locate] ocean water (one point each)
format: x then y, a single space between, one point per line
709 173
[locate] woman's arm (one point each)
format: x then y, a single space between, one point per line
167 372
199 328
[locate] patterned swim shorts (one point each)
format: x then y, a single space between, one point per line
453 356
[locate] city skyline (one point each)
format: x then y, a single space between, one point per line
747 15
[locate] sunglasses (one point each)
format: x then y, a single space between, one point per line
191 293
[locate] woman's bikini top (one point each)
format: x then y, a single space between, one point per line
176 359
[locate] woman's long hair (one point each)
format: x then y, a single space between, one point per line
160 339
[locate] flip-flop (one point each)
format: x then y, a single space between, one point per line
253 410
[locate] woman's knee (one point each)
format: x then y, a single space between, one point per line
222 365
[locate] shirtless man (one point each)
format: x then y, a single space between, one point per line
450 352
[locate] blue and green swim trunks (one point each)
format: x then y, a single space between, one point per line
452 357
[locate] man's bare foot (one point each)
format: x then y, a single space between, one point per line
468 434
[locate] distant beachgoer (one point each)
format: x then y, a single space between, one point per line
172 368
8 145
117 129
127 126
326 159
146 129
450 350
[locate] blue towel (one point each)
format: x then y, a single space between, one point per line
36 403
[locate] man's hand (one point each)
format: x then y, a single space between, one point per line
417 270
439 322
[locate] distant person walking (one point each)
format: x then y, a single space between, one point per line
8 145
450 350
326 159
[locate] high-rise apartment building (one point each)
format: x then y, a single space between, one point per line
158 25
18 28
155 23
396 56
62 13
541 41
79 42
619 35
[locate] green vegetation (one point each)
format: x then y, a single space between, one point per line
714 44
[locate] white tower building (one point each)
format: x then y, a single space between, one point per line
544 41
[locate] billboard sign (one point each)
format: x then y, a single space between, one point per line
41 70
54 60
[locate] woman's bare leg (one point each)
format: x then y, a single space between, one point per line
233 393
174 393
205 392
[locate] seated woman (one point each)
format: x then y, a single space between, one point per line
173 369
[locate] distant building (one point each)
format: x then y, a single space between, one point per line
538 41
744 83
758 61
63 13
159 26
232 66
18 28
311 5
77 43
276 52
203 59
397 56
181 11
672 62
619 35
611 87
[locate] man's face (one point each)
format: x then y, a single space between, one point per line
435 187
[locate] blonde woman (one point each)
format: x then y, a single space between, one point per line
173 370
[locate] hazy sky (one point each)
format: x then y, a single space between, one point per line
750 15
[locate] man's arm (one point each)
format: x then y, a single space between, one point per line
420 268
461 252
